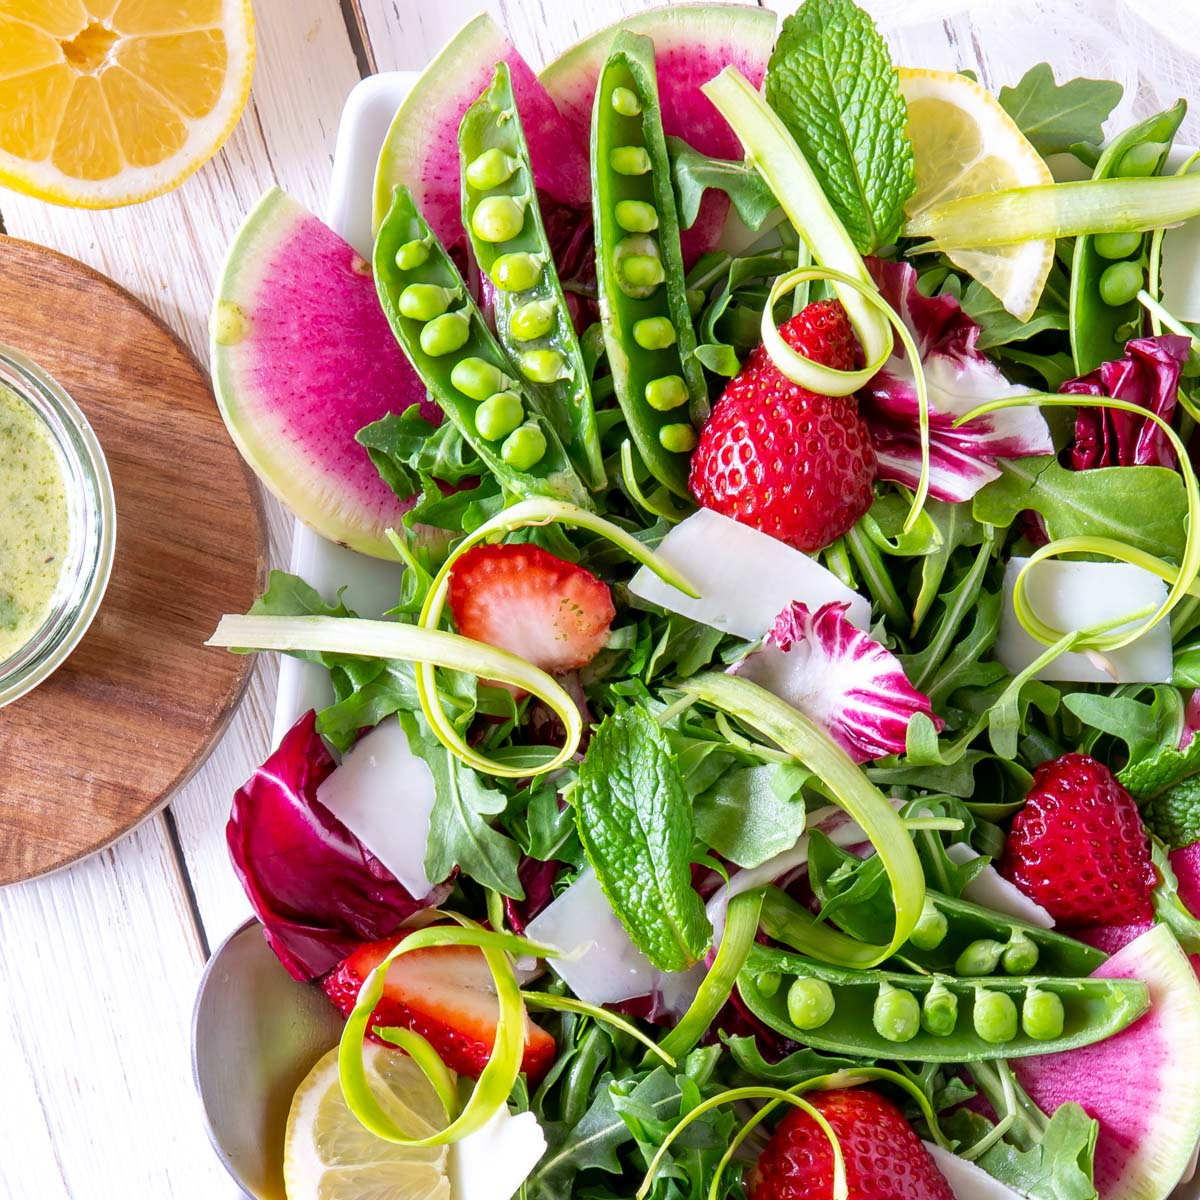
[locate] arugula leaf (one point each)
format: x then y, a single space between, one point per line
404 446
459 834
635 823
998 327
694 173
1055 117
1169 907
831 81
745 819
798 1067
289 596
1058 1167
1143 506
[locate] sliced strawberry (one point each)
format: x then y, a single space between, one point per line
444 993
521 598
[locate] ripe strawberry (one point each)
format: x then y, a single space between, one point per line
444 993
885 1159
795 464
521 598
1079 848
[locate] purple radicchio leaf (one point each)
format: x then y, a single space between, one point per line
318 891
840 678
537 878
959 378
1147 375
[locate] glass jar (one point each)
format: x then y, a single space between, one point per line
91 528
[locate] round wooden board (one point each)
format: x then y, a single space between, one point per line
102 744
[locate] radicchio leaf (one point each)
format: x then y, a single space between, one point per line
959 378
318 891
840 678
1148 375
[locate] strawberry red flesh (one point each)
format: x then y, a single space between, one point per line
444 993
1079 847
523 599
884 1158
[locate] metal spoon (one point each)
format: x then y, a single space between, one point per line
256 1033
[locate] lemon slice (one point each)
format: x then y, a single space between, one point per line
107 102
329 1155
964 144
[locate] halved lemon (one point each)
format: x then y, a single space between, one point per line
965 144
108 102
329 1155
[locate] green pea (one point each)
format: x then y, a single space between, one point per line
478 378
516 272
412 255
1117 245
446 334
768 982
499 415
666 393
424 301
930 929
994 1016
896 1014
532 320
981 957
939 1010
809 1002
636 216
641 271
695 299
524 447
1042 1015
1120 282
490 169
1141 159
498 218
654 333
1020 955
679 439
542 366
629 160
626 102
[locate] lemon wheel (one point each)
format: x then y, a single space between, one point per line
107 102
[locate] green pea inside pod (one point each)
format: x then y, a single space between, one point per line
532 321
636 216
939 1010
931 927
1120 283
1141 159
424 301
638 266
499 218
678 439
625 101
490 169
666 393
654 333
445 334
896 1013
499 415
629 160
994 1016
517 272
478 378
1020 955
542 366
411 255
1042 1015
810 1002
1117 245
524 447
980 957
695 300
768 982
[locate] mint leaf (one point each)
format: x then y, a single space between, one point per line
459 834
1054 118
744 819
635 823
694 173
832 83
1174 815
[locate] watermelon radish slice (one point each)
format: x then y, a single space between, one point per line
692 43
302 358
1140 1084
421 149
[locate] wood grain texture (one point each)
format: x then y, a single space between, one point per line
128 717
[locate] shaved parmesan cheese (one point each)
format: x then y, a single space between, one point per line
1079 595
991 890
493 1162
383 793
745 579
966 1180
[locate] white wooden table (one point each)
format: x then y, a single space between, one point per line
98 964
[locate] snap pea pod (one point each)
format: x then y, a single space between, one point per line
960 1020
644 310
967 924
459 360
1107 269
501 216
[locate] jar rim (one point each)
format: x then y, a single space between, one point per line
93 521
